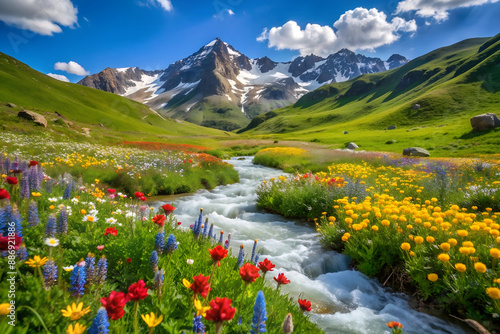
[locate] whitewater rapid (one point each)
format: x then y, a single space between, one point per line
344 301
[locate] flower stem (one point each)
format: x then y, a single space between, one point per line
218 327
210 283
136 330
242 297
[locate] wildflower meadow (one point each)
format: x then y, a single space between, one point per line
426 225
86 258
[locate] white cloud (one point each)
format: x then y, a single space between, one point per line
58 77
165 4
437 9
355 29
230 12
44 17
71 67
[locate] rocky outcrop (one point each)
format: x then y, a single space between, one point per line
352 146
485 122
34 117
416 152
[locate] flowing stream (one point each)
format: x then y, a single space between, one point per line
344 300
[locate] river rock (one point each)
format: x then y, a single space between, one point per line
391 127
416 152
485 122
352 146
34 117
11 105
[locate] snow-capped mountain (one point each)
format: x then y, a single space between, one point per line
220 87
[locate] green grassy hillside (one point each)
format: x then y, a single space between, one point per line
106 115
450 85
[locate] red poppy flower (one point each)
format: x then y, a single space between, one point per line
138 194
4 242
143 198
159 220
305 305
220 310
137 291
129 260
281 279
249 273
190 160
11 180
111 230
33 163
218 253
266 266
392 324
111 191
200 285
114 304
168 209
4 194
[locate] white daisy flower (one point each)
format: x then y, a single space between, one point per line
52 199
74 200
69 268
90 218
111 220
51 242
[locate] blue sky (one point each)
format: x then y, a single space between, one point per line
151 34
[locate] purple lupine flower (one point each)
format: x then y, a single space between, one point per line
51 227
102 270
253 250
50 274
228 241
160 242
25 186
241 257
62 221
90 271
33 218
78 280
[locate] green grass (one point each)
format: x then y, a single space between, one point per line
451 85
110 117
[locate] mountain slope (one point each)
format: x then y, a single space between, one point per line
25 87
220 87
432 97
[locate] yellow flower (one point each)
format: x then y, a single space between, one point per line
200 309
36 194
331 218
151 320
430 239
494 293
385 222
467 244
36 261
462 233
82 211
495 252
480 267
186 283
444 257
432 277
346 237
5 308
75 312
78 329
460 267
419 239
445 246
375 228
52 207
452 242
405 246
